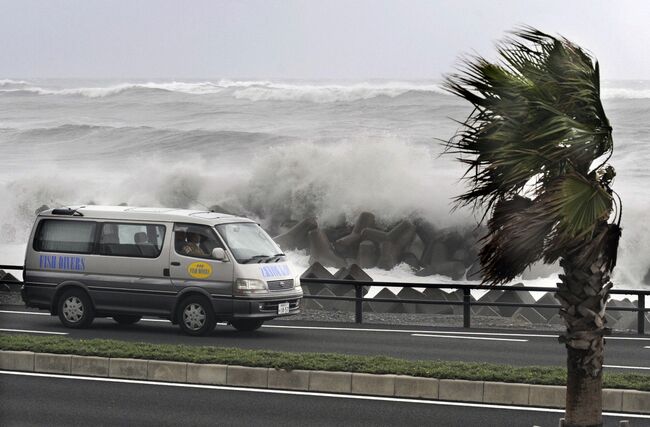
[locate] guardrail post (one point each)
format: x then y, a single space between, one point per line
358 304
640 327
466 308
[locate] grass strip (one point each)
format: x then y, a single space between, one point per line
311 361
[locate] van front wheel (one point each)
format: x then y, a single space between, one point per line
246 325
75 309
195 316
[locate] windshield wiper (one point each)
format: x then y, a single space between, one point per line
255 257
275 258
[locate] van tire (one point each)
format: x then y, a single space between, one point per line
247 325
195 316
75 309
126 319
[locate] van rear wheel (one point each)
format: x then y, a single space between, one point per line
75 309
247 325
126 319
195 316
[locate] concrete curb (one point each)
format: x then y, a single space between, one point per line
402 386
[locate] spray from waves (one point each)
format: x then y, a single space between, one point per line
10 82
248 90
332 93
625 93
392 178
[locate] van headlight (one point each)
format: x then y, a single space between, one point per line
250 286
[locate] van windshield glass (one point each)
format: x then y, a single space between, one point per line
248 242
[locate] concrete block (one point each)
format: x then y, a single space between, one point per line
198 373
528 315
89 365
487 310
381 385
248 377
519 297
331 304
556 320
406 386
289 380
410 293
336 382
167 371
17 360
387 307
547 396
505 393
127 368
54 363
636 401
612 400
435 295
461 390
547 298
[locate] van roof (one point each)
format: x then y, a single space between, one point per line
145 214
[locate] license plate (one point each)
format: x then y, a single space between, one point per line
283 308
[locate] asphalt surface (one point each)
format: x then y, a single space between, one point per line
415 343
37 400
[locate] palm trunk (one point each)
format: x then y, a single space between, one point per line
583 294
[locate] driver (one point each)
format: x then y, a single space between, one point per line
193 245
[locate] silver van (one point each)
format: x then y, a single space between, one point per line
194 268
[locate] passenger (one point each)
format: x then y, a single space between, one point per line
193 245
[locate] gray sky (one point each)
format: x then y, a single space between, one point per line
348 39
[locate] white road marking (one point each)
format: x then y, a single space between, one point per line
627 367
647 346
419 331
33 332
468 338
403 331
312 393
36 313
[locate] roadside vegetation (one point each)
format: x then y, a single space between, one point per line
310 361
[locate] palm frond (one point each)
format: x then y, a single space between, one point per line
537 121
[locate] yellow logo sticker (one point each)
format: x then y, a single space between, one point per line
200 270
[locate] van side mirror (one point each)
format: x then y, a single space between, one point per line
219 254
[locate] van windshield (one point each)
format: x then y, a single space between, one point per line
248 242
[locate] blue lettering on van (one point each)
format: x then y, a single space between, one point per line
275 270
53 262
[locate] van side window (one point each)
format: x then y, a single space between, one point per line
195 240
132 240
69 236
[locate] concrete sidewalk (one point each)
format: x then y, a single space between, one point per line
615 400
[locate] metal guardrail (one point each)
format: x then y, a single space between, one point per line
467 302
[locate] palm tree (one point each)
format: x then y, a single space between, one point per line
536 146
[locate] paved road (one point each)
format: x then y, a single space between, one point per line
46 400
417 343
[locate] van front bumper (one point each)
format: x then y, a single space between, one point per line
264 308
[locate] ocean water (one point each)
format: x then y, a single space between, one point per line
274 150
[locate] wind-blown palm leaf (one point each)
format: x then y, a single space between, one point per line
536 131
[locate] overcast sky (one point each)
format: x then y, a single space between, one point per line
348 39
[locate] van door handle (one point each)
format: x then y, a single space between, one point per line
175 263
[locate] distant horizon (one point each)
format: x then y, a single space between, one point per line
266 78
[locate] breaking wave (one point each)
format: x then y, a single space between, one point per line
248 90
